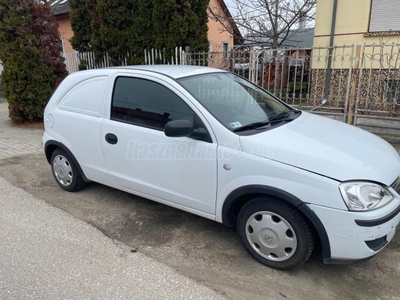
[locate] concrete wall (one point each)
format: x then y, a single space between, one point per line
385 127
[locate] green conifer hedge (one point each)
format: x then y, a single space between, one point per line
124 28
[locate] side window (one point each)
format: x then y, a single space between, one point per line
86 97
147 103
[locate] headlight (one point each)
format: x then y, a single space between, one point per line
364 196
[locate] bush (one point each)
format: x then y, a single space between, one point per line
31 55
27 85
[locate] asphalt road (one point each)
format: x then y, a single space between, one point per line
48 254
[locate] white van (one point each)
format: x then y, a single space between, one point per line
213 144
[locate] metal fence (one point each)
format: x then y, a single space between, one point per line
76 61
364 80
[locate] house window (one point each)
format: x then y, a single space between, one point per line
225 50
384 16
209 49
60 43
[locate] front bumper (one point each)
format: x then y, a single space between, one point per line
351 242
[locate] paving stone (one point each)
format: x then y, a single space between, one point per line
17 140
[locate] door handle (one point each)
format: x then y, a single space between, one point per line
111 138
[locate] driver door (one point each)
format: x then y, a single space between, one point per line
141 158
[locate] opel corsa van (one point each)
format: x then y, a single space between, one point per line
213 144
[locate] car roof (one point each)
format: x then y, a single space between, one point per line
174 71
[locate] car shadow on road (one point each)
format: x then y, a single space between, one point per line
202 249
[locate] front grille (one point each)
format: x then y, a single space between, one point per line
396 185
377 244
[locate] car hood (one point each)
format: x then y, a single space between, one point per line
327 147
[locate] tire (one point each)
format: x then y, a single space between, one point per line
275 233
65 172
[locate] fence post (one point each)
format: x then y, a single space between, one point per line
353 87
232 60
253 65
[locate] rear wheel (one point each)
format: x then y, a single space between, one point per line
275 233
66 172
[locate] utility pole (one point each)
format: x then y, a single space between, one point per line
275 46
330 53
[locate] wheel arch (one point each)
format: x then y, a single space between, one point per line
239 197
52 145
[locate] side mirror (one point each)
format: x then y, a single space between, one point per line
178 128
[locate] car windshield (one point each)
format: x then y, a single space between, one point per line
234 101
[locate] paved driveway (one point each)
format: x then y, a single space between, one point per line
17 139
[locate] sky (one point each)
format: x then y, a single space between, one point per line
231 6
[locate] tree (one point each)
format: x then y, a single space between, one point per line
118 29
124 28
181 23
198 31
273 19
81 16
45 29
85 23
31 56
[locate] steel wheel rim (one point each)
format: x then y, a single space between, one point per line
271 236
63 170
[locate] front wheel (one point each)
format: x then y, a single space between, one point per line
275 233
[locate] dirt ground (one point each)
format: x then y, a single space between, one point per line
205 250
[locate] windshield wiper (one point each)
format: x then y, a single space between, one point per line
252 126
281 116
286 116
